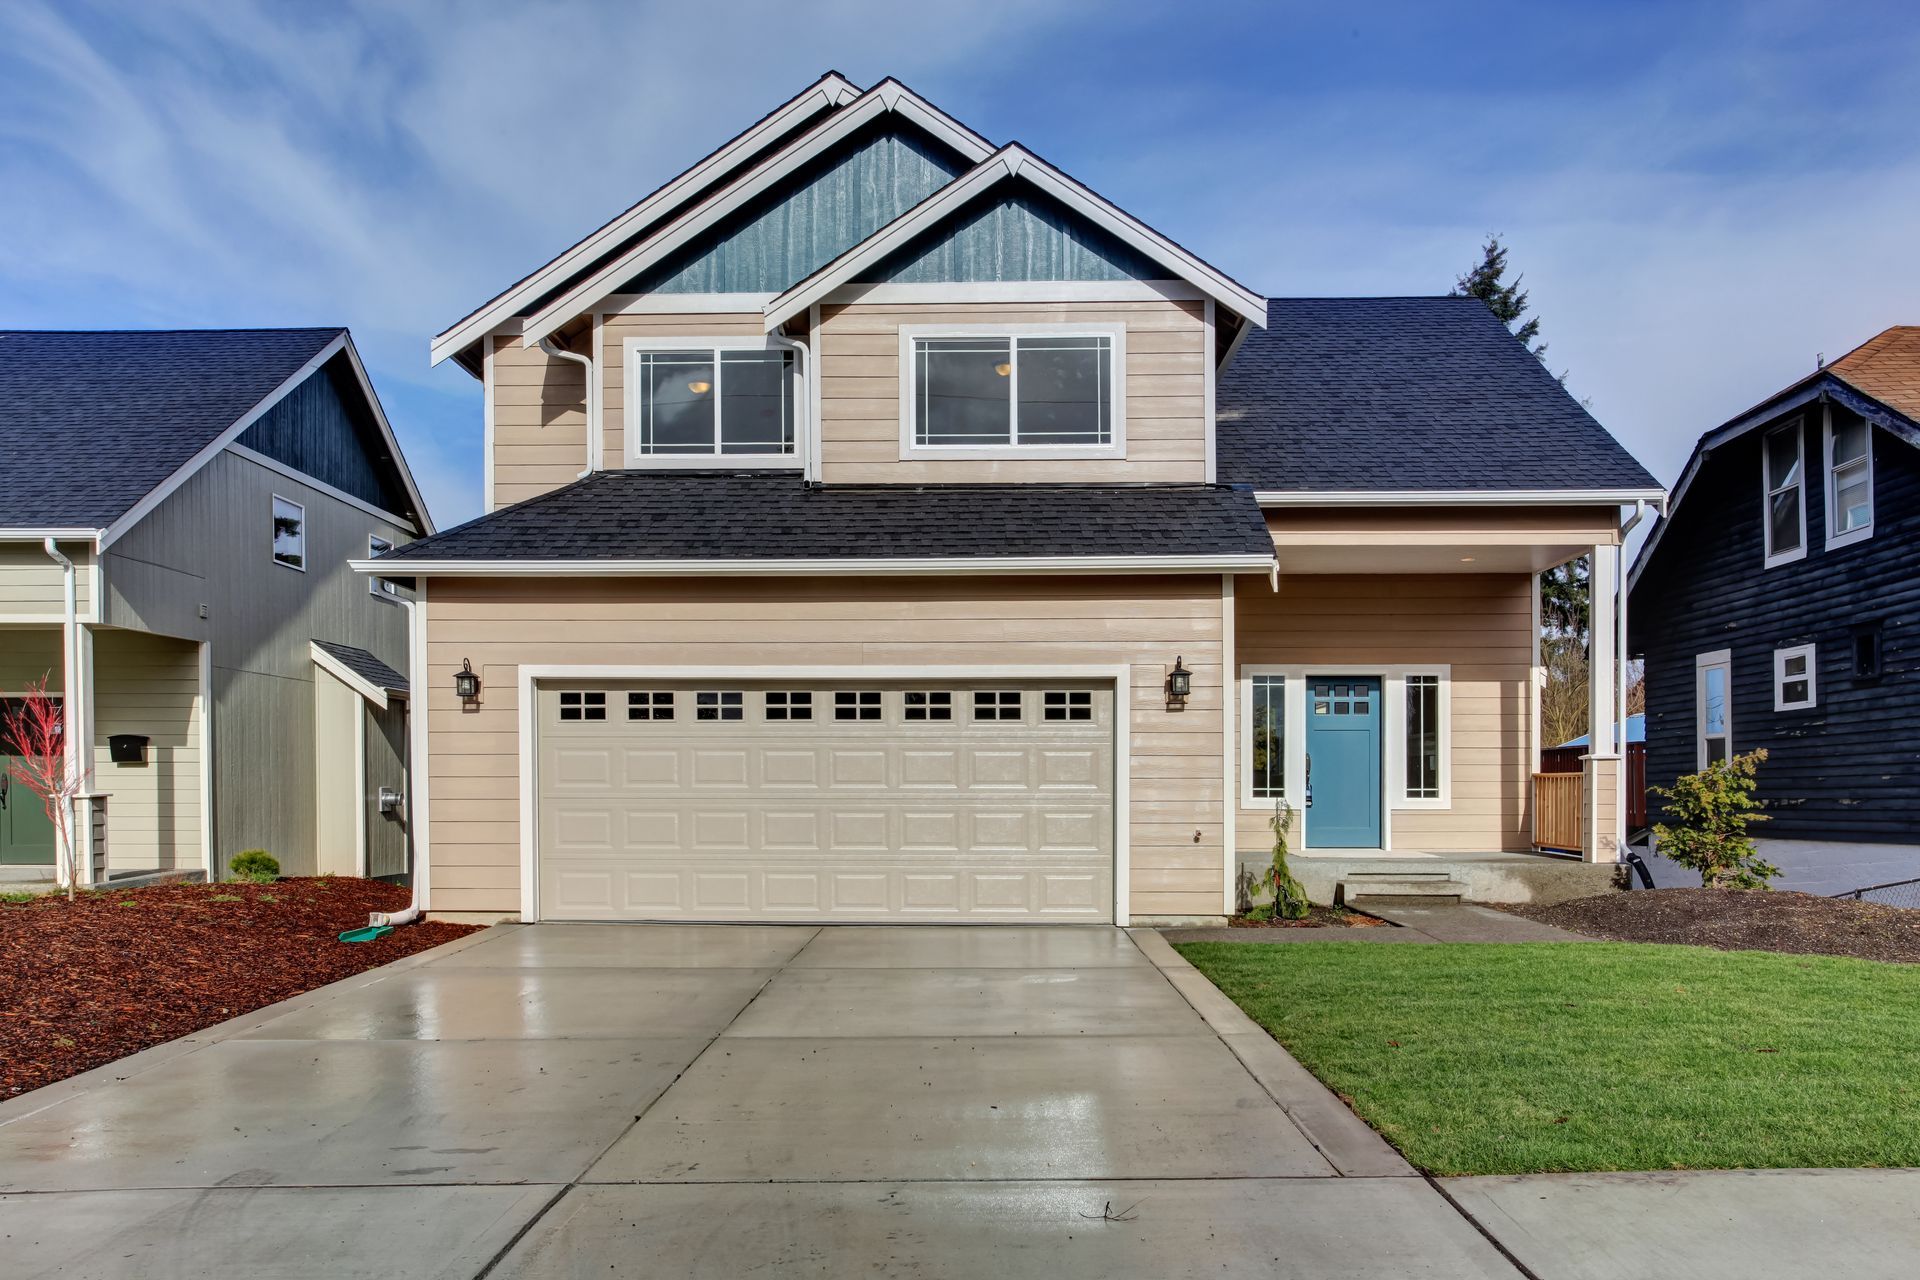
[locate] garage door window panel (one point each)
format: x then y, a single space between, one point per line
929 704
579 704
725 704
996 704
789 704
1067 704
857 704
650 704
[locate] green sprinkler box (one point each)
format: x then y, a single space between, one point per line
368 934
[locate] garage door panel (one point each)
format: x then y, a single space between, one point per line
894 814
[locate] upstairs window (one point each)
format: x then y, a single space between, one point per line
1786 514
1849 482
1002 392
289 533
696 403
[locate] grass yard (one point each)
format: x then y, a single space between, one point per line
1526 1058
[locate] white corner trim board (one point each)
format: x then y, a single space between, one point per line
408 568
1120 675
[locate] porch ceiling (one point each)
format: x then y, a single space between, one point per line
1389 556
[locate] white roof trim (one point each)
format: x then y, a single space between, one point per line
165 489
888 95
26 534
1015 161
1461 497
406 568
829 91
347 676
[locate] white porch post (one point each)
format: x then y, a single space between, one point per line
77 675
1601 839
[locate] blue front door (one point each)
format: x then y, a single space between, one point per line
1343 762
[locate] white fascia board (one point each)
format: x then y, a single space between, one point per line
1015 161
829 91
975 565
24 534
1012 291
888 95
162 491
1461 498
347 676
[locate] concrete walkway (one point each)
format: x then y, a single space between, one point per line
1418 922
719 1101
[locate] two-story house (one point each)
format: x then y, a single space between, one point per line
177 514
1775 604
885 526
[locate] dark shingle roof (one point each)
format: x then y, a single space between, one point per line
1354 394
91 422
773 515
366 666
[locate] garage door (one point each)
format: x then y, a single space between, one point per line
806 801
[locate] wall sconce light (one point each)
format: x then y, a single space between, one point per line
466 685
1179 683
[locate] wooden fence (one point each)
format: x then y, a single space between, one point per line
1556 811
1567 760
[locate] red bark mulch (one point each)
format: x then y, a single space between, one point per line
1316 918
117 971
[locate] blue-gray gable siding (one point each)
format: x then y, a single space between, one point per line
1015 236
812 217
1847 768
314 431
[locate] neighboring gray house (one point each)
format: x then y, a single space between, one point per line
177 510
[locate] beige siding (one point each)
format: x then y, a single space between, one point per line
1166 353
615 330
1479 625
149 685
336 790
539 422
30 654
1176 772
33 586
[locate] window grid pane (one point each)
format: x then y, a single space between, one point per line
1783 489
856 704
932 704
650 704
1067 704
996 704
789 704
721 704
576 704
1423 737
711 402
1038 391
1268 727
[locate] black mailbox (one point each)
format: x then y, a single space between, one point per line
127 748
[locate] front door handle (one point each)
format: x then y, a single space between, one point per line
1309 803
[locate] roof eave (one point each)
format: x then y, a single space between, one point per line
969 565
1460 497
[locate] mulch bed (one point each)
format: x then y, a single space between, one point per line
117 971
1741 920
1316 918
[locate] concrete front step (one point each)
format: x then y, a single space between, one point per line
1400 884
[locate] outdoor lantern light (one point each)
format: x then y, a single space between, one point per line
1179 682
466 685
699 386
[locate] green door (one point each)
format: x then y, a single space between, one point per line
26 834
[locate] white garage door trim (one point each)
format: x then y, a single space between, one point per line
1120 676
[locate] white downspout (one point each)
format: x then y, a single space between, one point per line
70 669
1620 659
593 399
416 757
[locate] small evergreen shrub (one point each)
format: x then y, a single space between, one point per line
255 866
1289 899
1711 810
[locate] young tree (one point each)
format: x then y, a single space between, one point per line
1487 282
36 732
1711 811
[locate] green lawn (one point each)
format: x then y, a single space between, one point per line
1478 1058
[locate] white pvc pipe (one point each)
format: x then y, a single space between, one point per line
70 671
593 399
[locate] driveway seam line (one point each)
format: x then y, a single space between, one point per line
1485 1234
631 1125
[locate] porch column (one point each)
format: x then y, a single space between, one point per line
1600 841
76 672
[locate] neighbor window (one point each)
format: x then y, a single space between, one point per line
289 533
723 704
1786 515
1713 706
856 704
1793 678
650 704
712 401
1423 737
931 704
378 546
1266 751
1849 482
789 704
1866 651
1014 391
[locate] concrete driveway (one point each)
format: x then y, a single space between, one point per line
716 1101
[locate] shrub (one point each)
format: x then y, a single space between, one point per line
1711 810
255 866
1289 899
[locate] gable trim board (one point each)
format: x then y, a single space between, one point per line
887 96
756 568
1010 162
831 90
213 448
1462 497
347 675
1818 388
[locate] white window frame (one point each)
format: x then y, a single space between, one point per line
1701 664
1797 426
910 451
1780 659
630 411
273 513
378 587
1393 743
1835 539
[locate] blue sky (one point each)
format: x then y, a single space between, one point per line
1702 196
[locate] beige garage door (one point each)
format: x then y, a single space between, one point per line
806 801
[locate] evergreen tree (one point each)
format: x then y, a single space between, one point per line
1508 301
